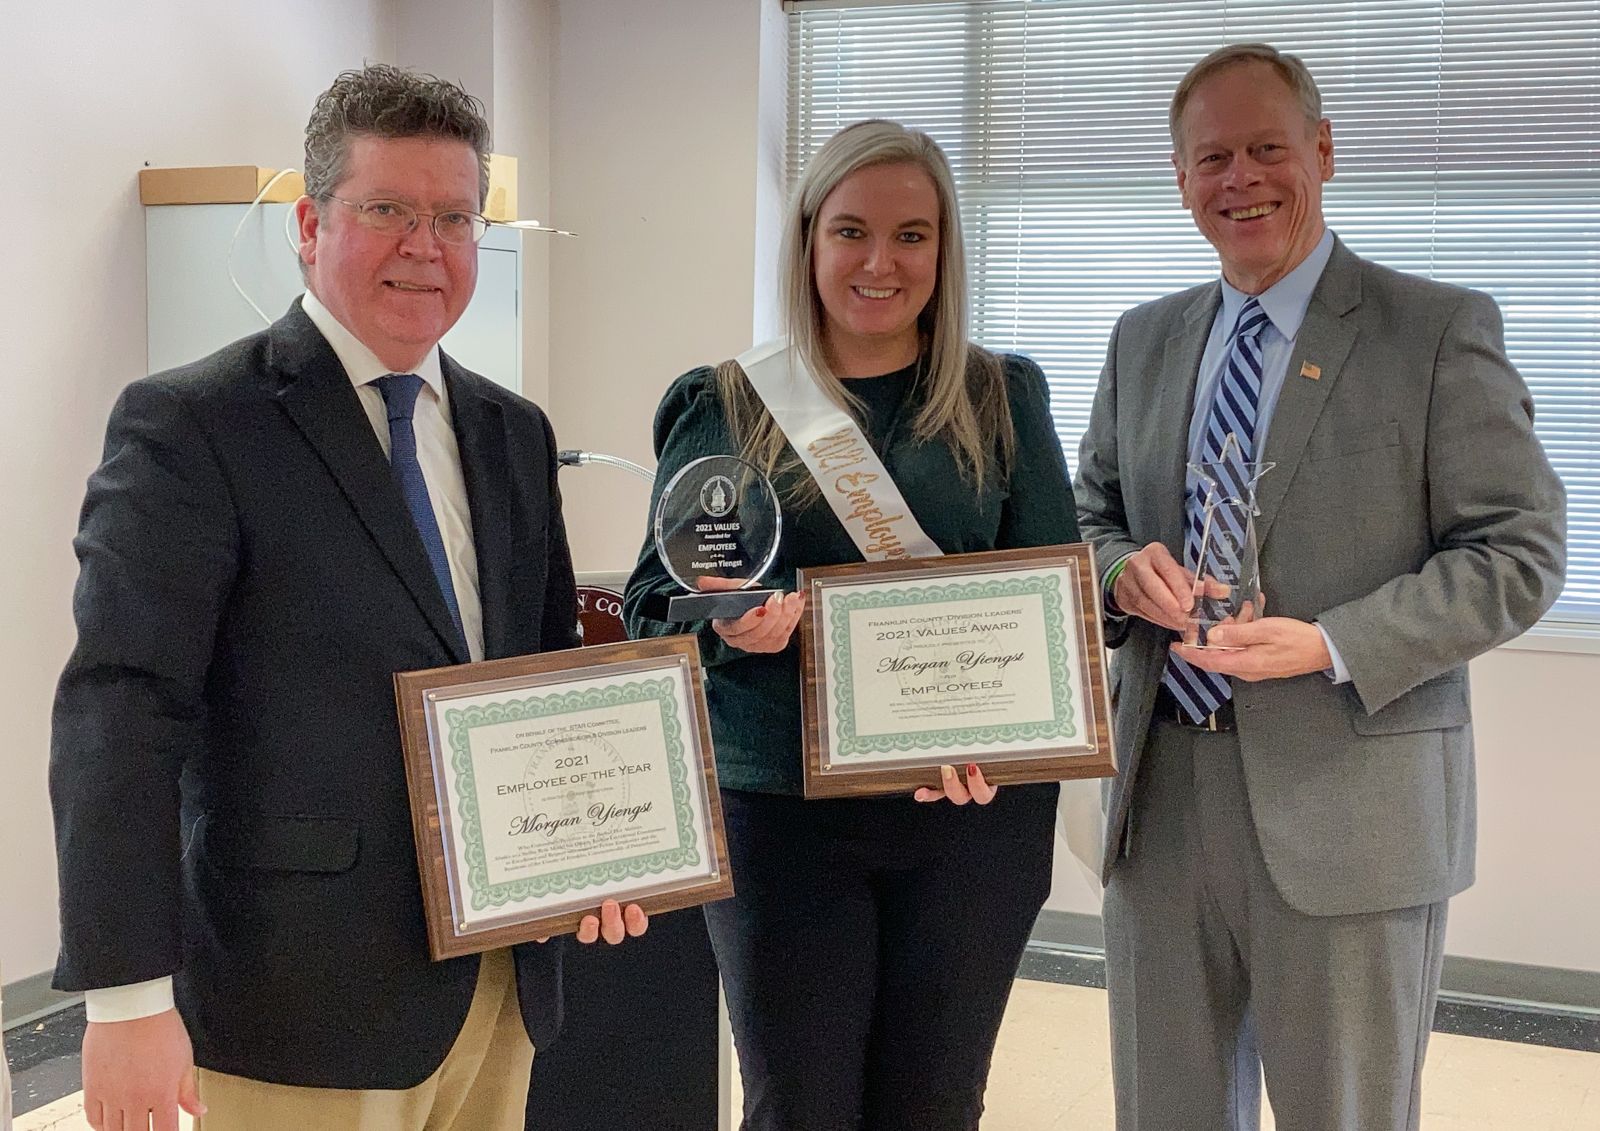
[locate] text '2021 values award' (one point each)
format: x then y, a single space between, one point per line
995 658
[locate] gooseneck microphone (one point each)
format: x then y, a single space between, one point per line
572 457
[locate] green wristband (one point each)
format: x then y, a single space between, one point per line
1109 585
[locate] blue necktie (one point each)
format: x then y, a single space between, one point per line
1233 412
400 397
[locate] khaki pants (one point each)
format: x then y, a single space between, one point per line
481 1086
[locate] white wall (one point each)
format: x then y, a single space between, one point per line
1537 899
500 50
654 163
524 47
454 41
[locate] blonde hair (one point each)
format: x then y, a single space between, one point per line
965 385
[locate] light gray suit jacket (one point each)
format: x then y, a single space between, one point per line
1412 512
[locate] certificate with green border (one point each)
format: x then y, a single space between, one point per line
994 658
542 785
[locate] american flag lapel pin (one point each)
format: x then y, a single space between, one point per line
1312 371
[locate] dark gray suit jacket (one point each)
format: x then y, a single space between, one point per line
1412 512
230 800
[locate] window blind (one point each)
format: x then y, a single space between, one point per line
1467 149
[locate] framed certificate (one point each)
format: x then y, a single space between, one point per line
994 658
542 785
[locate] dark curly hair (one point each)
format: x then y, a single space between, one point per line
381 100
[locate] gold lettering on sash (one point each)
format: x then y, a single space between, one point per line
838 452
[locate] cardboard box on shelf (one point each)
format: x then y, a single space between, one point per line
239 184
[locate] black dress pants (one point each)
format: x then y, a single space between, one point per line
869 951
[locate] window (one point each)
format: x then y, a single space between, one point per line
1467 143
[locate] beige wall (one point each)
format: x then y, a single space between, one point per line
655 165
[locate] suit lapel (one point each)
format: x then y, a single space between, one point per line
1170 412
318 396
1324 341
481 438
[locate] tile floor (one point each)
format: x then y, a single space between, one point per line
1051 1073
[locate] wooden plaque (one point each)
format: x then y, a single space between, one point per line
995 658
542 785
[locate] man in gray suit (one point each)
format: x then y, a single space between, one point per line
1297 809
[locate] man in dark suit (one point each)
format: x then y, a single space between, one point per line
275 530
1296 809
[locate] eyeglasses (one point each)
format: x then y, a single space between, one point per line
392 218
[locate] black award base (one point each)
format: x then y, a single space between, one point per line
725 604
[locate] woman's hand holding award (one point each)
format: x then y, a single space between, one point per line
992 658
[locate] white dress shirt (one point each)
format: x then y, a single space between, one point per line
440 458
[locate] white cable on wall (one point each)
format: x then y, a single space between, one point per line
233 243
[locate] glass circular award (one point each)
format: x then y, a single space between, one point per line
718 518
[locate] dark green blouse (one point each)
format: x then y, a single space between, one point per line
755 699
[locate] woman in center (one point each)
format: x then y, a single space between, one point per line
871 944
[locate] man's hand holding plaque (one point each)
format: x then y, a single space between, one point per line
546 786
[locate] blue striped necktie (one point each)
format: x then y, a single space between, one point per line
1234 407
400 398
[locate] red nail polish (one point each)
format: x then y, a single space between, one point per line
761 611
972 768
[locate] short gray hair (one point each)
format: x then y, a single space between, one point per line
1289 68
385 101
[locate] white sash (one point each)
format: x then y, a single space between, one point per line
874 513
836 453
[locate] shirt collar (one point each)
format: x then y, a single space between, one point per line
1286 300
361 365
